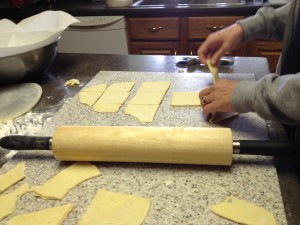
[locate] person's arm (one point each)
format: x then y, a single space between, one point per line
268 23
273 97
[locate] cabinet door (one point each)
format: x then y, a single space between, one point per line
154 48
270 50
200 27
153 28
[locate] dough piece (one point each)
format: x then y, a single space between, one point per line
213 70
155 86
113 208
113 97
144 113
243 212
59 185
185 99
72 82
50 216
18 99
8 201
11 177
124 86
147 98
91 94
111 108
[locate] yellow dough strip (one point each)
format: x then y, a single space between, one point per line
213 70
49 216
8 201
59 185
11 177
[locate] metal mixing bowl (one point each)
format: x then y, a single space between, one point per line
20 67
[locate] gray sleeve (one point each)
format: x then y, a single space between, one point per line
268 24
272 97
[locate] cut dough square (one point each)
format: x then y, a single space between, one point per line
243 212
51 216
11 177
155 86
96 88
185 99
144 113
8 201
89 98
102 107
113 97
124 86
60 184
113 208
147 98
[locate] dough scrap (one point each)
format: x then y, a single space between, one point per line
113 97
113 208
49 216
124 86
185 99
147 98
8 201
11 177
72 82
213 70
243 212
59 185
144 113
111 108
155 86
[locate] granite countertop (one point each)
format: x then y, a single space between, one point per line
98 8
180 194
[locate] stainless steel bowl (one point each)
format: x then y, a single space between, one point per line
19 67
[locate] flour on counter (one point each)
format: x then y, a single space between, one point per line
28 124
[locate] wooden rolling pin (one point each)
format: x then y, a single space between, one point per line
183 145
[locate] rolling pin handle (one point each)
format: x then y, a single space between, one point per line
20 142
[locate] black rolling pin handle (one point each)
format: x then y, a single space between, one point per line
267 147
20 142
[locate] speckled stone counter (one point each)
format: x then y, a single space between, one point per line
180 194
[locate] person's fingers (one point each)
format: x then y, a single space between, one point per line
205 91
209 108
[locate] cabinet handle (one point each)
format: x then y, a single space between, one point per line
154 29
214 28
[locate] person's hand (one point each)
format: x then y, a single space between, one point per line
217 98
219 43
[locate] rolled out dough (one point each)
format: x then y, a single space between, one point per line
59 185
113 97
11 177
185 99
113 208
50 216
17 99
8 201
243 212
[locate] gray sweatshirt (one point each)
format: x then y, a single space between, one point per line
274 96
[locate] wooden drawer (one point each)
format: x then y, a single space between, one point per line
154 48
201 27
153 28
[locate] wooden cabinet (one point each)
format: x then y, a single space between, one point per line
154 36
184 35
270 50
